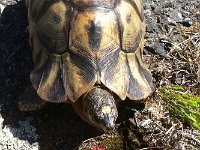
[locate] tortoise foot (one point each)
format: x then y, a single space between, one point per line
30 101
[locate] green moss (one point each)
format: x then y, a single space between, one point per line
182 104
110 142
114 142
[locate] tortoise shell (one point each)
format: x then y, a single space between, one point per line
78 44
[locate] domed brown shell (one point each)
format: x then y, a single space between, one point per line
79 43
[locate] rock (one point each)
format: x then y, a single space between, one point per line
175 16
159 48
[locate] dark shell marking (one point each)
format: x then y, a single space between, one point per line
94 32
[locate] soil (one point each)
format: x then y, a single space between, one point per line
172 53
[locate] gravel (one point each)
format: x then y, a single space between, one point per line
162 18
15 138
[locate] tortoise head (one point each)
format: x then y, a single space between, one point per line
100 109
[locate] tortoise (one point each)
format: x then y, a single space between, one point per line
87 53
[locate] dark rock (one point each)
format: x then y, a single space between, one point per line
159 48
187 22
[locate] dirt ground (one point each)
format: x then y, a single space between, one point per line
171 52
